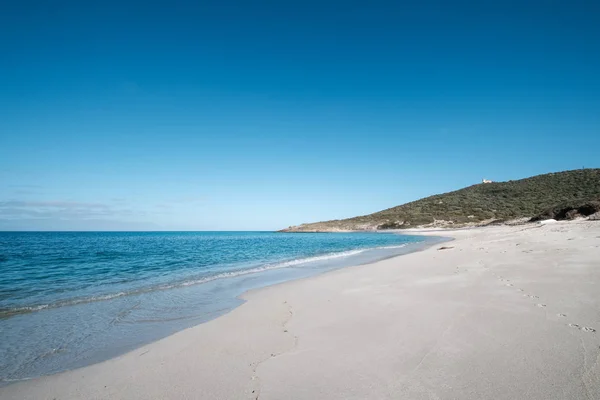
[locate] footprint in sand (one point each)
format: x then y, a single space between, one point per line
531 296
508 284
540 305
561 315
520 290
584 328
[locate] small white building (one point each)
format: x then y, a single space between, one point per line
486 181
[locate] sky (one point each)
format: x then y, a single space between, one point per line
257 115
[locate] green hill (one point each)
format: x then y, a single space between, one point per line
486 202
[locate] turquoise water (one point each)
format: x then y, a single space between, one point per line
73 298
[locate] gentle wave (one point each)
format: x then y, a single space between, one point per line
4 313
391 247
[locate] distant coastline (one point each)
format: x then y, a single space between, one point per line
563 196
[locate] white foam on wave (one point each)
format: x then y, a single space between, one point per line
70 302
391 247
284 264
320 258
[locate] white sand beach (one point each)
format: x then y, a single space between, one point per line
502 313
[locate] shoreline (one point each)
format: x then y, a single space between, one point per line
231 291
501 312
420 246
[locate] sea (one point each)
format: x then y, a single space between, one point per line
70 299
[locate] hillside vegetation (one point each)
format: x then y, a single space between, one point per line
497 201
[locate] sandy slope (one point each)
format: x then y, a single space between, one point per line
507 313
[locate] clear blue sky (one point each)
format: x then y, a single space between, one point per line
258 115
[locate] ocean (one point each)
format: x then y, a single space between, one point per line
70 299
